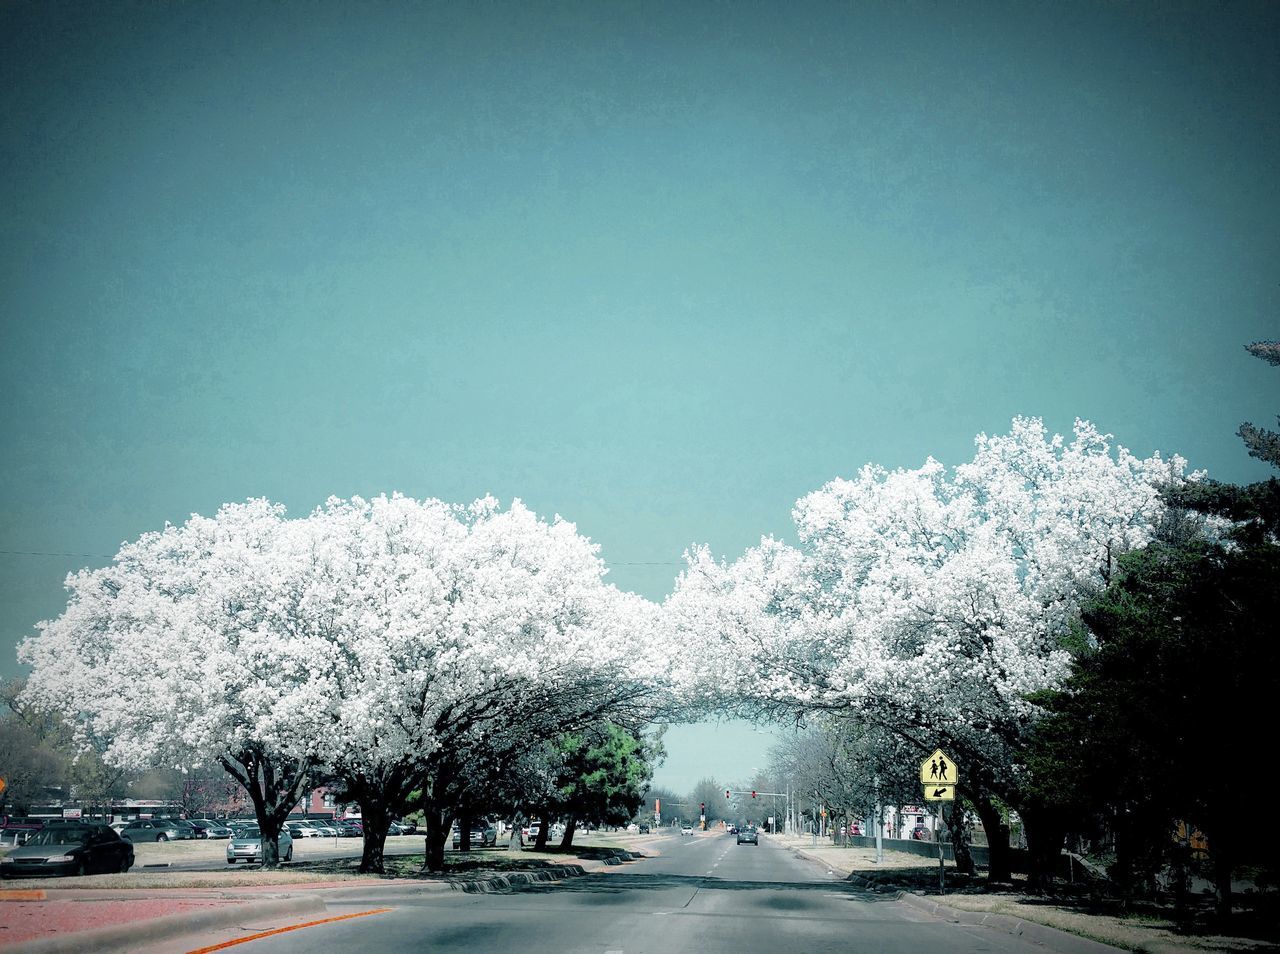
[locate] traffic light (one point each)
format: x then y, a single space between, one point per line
726 793
753 794
702 806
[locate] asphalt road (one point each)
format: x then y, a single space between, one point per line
703 893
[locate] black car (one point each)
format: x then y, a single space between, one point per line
69 850
748 836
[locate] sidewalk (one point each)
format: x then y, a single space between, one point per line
1058 928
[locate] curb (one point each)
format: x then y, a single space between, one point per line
1051 937
504 883
123 938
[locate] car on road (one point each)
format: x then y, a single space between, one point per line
855 829
247 846
733 829
69 850
644 829
748 836
920 833
686 830
150 829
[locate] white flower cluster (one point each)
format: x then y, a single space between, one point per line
353 635
926 599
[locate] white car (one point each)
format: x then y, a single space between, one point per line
248 846
687 830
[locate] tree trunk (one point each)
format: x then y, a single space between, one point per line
958 828
464 831
543 827
1222 881
270 829
437 833
1000 865
1045 836
273 793
376 820
570 827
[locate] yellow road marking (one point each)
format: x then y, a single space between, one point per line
22 894
284 930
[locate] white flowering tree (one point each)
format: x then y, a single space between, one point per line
933 603
183 652
374 640
450 634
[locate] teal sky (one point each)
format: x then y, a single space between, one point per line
660 268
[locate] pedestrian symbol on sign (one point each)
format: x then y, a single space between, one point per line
937 769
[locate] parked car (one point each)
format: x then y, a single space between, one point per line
855 829
406 827
150 829
186 831
920 833
351 828
313 827
748 836
482 836
16 829
69 850
211 828
248 846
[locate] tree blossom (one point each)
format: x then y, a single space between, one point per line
934 602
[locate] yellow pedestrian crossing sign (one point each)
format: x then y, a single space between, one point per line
939 793
938 770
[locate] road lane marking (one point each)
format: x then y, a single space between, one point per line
285 930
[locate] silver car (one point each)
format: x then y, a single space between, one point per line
247 846
150 829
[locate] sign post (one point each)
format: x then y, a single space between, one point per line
939 776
